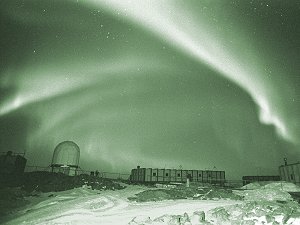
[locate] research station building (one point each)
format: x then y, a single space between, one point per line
141 175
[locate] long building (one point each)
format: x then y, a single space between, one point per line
251 179
141 175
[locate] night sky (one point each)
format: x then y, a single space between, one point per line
196 84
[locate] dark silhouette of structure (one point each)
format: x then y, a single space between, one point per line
11 163
251 179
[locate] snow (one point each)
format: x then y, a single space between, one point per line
284 186
280 185
254 185
86 206
269 204
257 212
264 194
274 191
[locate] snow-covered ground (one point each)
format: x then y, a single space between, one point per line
268 204
86 206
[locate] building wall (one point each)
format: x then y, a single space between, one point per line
167 175
173 175
148 172
290 173
178 175
195 175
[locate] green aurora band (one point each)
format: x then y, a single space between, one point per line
200 84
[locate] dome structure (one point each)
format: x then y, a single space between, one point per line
66 155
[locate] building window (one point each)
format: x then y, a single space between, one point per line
292 176
199 175
167 174
154 174
178 175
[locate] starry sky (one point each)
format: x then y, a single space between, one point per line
197 84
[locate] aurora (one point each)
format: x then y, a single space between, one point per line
196 84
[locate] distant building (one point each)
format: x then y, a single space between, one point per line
290 172
251 179
66 158
12 163
174 175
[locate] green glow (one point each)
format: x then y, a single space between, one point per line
199 84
